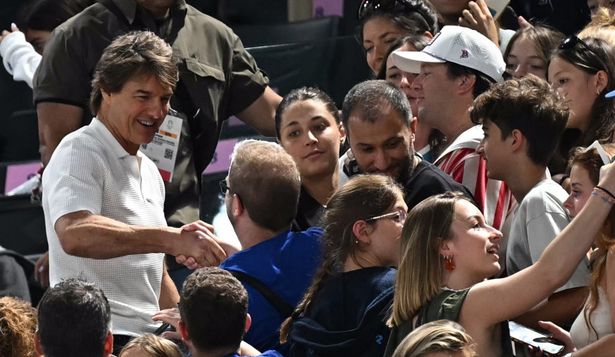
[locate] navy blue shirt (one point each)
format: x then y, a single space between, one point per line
286 264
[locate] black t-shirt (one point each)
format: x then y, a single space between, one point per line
427 180
309 212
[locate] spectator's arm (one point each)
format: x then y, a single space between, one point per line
169 297
478 17
561 308
87 235
55 120
260 114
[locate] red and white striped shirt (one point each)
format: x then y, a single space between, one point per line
465 165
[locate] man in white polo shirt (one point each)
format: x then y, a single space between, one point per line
103 199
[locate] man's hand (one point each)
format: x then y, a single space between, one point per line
478 17
41 270
199 246
172 317
189 260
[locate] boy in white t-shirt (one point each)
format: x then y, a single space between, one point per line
522 121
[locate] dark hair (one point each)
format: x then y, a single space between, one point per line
131 55
362 197
415 17
590 160
418 41
544 38
529 105
73 320
303 94
369 97
46 15
602 121
213 306
267 181
482 83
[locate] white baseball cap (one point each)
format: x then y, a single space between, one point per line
456 44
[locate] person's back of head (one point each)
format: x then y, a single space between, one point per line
39 18
369 99
266 180
150 345
442 337
213 307
17 327
530 106
74 320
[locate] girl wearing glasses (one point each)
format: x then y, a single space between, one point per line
343 311
381 22
448 251
582 72
309 129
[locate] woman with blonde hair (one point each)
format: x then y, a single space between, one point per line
17 328
150 345
436 338
448 251
343 311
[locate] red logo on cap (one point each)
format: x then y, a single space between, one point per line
464 54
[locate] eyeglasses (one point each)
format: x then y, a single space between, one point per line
223 186
572 41
398 216
368 7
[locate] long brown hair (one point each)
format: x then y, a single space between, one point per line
362 197
419 277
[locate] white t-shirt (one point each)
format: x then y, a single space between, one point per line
600 318
538 220
90 171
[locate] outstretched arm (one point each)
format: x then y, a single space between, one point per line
93 236
521 291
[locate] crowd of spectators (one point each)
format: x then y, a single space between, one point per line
467 183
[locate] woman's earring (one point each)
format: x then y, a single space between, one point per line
449 263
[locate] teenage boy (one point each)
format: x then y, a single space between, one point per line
522 121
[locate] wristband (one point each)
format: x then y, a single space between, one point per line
606 191
603 196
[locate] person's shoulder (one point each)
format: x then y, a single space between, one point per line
431 175
308 237
198 19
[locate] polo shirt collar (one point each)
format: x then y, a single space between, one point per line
103 134
129 8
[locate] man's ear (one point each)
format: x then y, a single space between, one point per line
413 123
465 83
37 345
108 349
248 323
517 140
183 331
237 206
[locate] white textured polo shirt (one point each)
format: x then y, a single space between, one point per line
91 171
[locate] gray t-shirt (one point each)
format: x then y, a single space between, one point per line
538 220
